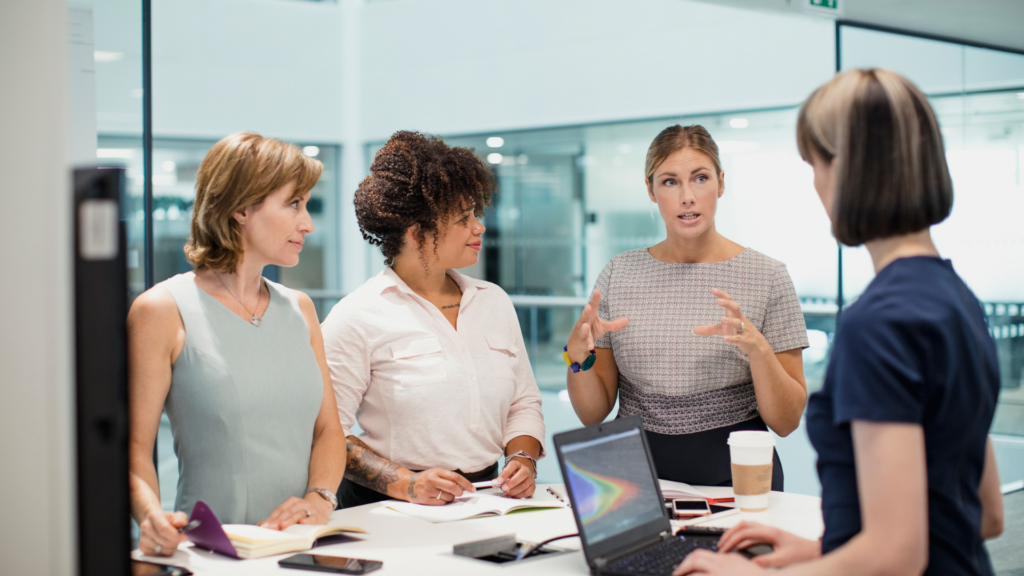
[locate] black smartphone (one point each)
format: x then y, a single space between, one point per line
149 569
336 564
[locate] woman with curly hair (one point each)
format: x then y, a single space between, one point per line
432 362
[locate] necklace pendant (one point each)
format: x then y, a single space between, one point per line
256 321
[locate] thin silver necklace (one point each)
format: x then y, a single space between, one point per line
254 320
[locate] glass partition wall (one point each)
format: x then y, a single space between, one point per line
570 199
978 95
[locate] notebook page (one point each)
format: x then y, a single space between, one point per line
250 534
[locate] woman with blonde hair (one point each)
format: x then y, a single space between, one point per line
664 357
908 477
237 361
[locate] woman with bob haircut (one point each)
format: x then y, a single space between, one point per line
431 361
237 361
908 476
671 365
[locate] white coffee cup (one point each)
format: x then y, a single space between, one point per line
751 454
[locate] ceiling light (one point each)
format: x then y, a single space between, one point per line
169 166
311 151
125 153
101 56
1020 95
738 123
495 142
495 158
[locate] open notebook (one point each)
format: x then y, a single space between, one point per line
471 506
248 541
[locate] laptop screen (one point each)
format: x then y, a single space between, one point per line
612 485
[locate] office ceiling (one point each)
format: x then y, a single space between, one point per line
993 22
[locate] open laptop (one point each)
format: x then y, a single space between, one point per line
616 499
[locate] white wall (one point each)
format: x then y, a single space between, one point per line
507 64
222 66
36 453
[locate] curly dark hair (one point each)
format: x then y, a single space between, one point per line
418 179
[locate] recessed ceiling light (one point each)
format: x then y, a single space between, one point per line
495 158
495 142
169 166
738 123
101 56
125 153
311 151
1020 95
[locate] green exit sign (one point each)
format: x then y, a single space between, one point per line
830 4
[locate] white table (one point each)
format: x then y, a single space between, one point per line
409 546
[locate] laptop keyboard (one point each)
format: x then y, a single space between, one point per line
663 558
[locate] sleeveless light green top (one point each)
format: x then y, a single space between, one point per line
242 404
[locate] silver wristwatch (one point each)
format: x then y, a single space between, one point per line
521 454
326 495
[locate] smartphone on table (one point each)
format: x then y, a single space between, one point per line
686 508
335 564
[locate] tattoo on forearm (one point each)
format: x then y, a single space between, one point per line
367 468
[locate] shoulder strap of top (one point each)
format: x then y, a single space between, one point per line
186 295
284 292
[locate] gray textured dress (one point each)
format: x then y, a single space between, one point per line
689 390
242 404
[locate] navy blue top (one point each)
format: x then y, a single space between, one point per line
913 348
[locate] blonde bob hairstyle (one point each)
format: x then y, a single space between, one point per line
675 138
890 165
238 172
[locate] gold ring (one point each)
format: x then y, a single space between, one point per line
308 513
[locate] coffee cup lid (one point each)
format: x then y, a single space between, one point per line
751 438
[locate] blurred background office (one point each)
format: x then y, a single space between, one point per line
561 98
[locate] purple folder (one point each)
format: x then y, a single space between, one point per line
209 534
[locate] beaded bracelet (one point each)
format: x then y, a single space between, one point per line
576 366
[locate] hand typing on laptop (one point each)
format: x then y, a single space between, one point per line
788 549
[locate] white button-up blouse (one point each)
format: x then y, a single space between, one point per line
425 394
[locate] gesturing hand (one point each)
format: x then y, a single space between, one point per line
734 327
789 548
437 487
590 327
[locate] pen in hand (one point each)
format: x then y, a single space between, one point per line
190 526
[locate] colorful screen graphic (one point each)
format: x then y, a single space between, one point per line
612 485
